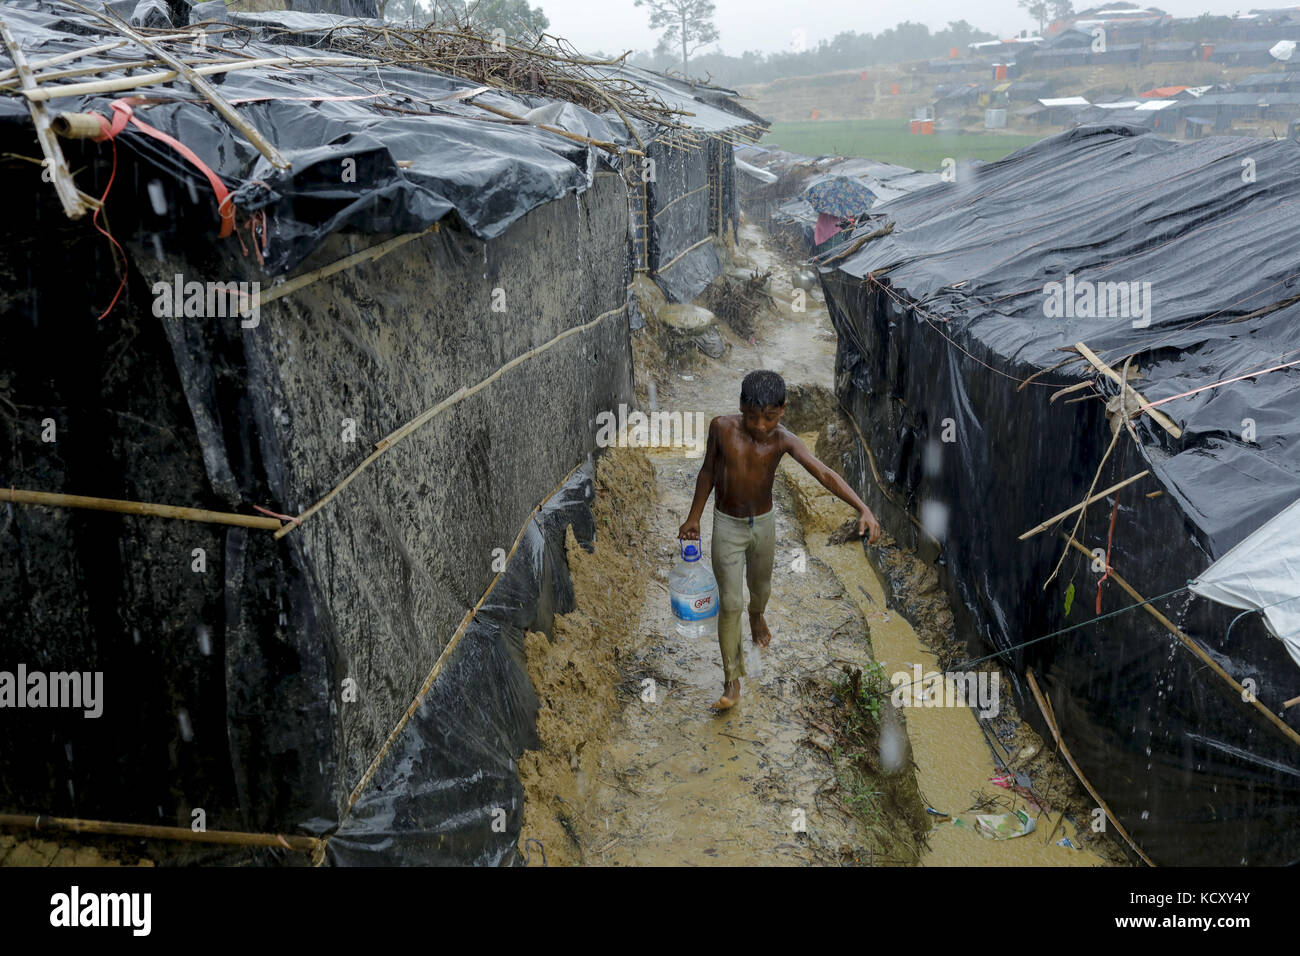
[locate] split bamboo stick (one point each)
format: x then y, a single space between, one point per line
1196 649
1083 504
1163 420
424 417
153 79
47 499
1046 708
66 189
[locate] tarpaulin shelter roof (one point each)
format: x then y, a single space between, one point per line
1083 203
425 148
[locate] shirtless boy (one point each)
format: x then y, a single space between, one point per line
740 465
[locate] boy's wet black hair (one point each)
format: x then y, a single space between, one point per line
762 388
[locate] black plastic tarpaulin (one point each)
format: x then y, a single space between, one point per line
1181 257
385 150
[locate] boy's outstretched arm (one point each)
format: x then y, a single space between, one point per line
690 529
836 485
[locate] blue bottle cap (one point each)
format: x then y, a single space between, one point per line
690 552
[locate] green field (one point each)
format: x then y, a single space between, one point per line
889 141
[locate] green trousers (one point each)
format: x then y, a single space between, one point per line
743 552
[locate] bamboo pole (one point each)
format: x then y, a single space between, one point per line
576 137
424 417
370 254
446 653
92 51
1163 420
206 89
66 189
1083 504
119 66
668 205
300 844
691 248
65 57
119 506
1046 708
1196 649
153 79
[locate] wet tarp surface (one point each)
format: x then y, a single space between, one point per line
448 791
345 130
344 151
1262 573
939 324
886 180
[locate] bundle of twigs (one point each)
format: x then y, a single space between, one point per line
541 64
738 301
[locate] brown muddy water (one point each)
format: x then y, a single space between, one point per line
666 781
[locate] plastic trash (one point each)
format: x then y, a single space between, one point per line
998 826
694 593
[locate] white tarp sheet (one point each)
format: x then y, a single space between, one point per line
1263 572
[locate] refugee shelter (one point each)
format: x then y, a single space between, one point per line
307 322
1104 317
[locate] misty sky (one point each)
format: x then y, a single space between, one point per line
768 25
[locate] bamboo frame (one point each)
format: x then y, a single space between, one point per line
1163 420
68 193
205 89
154 79
441 662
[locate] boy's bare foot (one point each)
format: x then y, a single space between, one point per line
730 695
758 628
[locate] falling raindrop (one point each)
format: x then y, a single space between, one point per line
183 718
135 635
67 748
205 640
158 197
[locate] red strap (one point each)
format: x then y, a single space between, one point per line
122 113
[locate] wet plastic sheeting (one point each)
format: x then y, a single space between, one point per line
448 791
938 343
344 152
679 204
1262 573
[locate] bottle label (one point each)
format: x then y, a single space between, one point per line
696 607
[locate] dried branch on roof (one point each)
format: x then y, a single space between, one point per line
541 65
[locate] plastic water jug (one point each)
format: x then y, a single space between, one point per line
694 593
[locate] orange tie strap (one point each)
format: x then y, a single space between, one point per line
123 113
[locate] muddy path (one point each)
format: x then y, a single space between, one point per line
676 784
